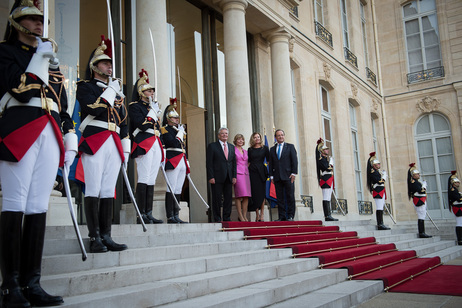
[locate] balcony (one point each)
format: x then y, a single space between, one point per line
371 76
343 203
429 74
365 207
307 201
350 57
294 11
323 34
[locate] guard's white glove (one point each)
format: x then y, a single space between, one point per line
152 114
111 91
40 61
70 145
384 175
155 106
424 184
54 63
180 133
331 161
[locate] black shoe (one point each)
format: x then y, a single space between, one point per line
177 218
281 219
290 219
39 298
111 245
382 227
153 219
13 298
172 220
96 245
145 218
424 235
330 218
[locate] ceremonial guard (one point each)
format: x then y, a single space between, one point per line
376 179
455 203
417 190
33 120
147 148
176 164
104 145
325 171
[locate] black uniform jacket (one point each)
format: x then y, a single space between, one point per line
20 126
419 194
325 171
377 183
174 148
93 137
143 129
455 201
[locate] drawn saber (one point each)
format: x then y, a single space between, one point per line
195 189
155 66
338 204
130 192
111 34
71 210
168 185
389 213
45 18
429 217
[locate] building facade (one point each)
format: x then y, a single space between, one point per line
366 76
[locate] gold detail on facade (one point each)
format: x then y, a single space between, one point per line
428 104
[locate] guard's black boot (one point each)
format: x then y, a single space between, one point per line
91 214
459 235
380 225
169 208
176 211
421 226
141 200
10 250
105 224
326 209
31 262
149 201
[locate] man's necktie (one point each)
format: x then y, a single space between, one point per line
225 149
279 150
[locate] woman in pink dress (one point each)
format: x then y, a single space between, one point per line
242 186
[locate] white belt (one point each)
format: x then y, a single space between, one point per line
109 126
174 149
149 131
375 185
419 195
325 172
9 101
457 203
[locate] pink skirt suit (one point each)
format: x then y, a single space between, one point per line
242 186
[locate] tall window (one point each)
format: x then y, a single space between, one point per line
364 33
346 40
374 134
326 119
436 158
355 147
318 11
422 35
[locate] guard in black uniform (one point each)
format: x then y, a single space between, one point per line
417 190
147 148
176 165
376 179
33 120
325 172
455 203
104 145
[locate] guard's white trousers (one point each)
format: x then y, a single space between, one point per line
176 177
27 184
147 165
421 211
379 204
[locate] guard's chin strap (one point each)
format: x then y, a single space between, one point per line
18 27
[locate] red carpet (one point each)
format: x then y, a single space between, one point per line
364 258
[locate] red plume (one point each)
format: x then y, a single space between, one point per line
411 165
371 154
108 50
173 101
453 172
142 73
37 4
320 140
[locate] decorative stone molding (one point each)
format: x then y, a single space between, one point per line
232 4
291 44
375 105
354 90
290 3
327 69
428 104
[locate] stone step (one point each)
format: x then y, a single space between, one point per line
343 294
409 244
155 293
447 254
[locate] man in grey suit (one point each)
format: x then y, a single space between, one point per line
283 166
221 173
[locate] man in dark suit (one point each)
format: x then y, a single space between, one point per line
221 173
283 165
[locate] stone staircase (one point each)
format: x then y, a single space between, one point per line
197 265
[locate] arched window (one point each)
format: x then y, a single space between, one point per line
436 160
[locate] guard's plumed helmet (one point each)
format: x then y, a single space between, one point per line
21 9
170 111
373 159
454 177
102 52
321 145
410 180
143 83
